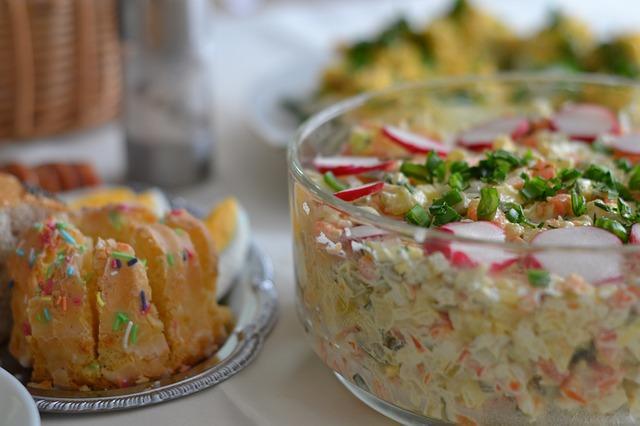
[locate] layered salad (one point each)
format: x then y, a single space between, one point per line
514 297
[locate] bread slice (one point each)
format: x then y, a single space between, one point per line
131 342
53 320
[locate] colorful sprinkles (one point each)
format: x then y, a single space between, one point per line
20 251
67 237
46 314
170 260
143 302
100 300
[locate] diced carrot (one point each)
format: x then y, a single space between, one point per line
570 393
465 421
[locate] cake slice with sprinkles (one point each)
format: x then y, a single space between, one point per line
184 223
179 292
53 321
131 344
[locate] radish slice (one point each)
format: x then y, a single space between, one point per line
413 142
595 267
627 144
634 237
353 194
362 232
341 166
585 122
482 136
470 254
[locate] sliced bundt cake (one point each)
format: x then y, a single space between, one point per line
19 210
131 343
53 320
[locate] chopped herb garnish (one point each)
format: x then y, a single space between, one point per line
568 177
456 181
489 201
538 278
578 203
418 216
624 210
495 167
536 188
634 178
436 167
416 171
600 174
333 182
451 198
515 214
460 167
603 206
613 226
443 214
623 164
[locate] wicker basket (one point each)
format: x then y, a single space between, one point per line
60 66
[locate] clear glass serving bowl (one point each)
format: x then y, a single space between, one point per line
424 341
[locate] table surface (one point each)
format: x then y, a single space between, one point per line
287 384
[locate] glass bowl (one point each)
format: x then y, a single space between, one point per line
424 341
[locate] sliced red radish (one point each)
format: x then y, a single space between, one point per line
595 266
363 232
414 142
585 122
465 254
341 166
634 237
481 137
627 144
353 194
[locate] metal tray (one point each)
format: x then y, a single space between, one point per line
253 300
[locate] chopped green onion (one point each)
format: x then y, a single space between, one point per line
456 181
515 214
624 210
489 200
451 198
538 278
535 189
569 176
578 203
415 171
634 178
418 216
436 166
623 164
443 214
459 167
598 146
602 205
600 174
613 226
333 182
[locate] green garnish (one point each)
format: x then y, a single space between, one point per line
536 188
624 210
604 206
451 198
613 226
568 177
538 278
333 182
415 171
578 203
489 201
634 178
418 216
495 167
456 181
436 166
623 164
600 174
515 214
443 214
460 167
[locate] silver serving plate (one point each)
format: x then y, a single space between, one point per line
253 300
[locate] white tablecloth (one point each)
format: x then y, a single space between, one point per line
287 384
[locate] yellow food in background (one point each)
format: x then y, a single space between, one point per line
222 222
118 195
